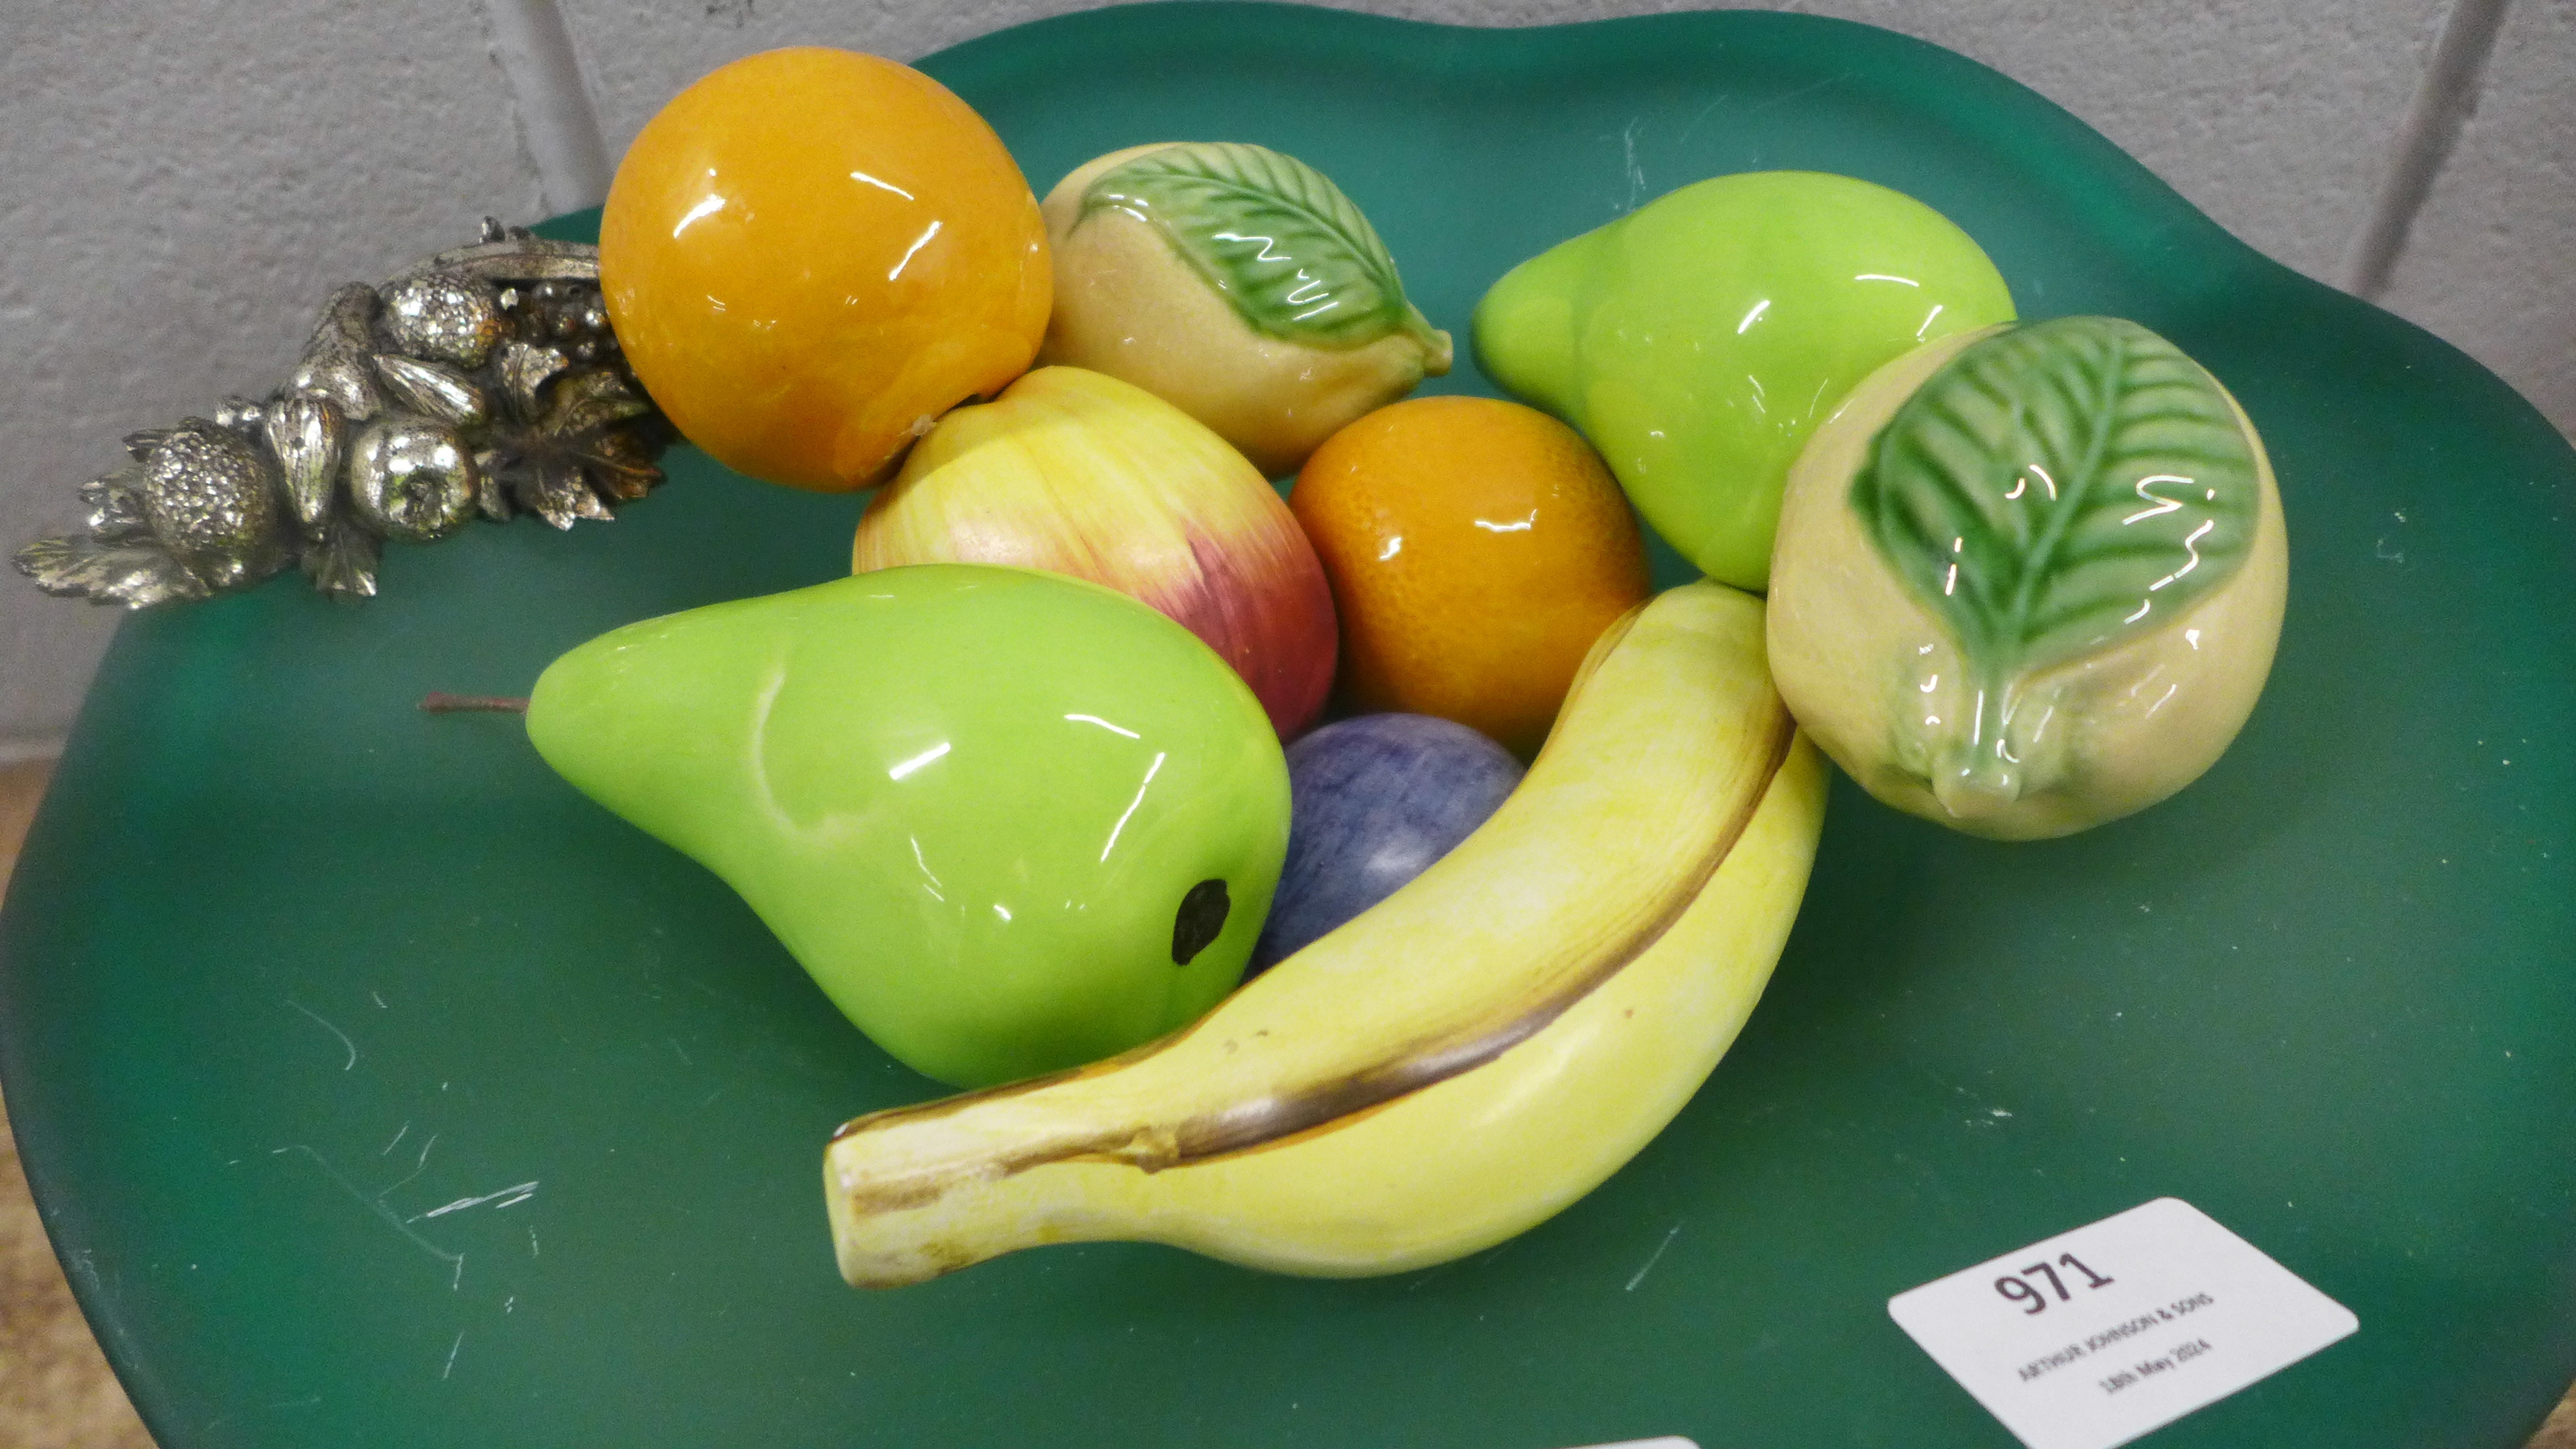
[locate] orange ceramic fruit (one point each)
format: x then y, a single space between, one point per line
810 254
1475 549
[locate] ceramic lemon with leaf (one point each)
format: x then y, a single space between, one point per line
2029 579
1238 284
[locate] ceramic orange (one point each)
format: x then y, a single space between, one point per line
810 254
1475 549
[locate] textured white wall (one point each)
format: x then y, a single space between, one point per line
186 180
2491 262
2275 118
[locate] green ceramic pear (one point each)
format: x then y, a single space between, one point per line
1010 821
1700 339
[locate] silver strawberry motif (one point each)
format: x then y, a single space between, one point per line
483 380
210 497
454 319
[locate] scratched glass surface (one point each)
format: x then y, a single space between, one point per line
379 1089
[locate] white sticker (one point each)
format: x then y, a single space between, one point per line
2093 1337
1669 1441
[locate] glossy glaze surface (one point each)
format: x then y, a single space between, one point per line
1476 548
1373 801
2025 588
1398 1095
810 253
1238 284
982 806
2327 995
1699 341
1083 474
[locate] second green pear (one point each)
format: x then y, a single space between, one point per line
1699 340
1008 820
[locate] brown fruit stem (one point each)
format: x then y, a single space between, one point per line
440 702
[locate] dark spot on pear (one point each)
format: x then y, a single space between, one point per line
1200 920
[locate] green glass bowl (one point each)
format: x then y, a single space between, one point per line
378 1089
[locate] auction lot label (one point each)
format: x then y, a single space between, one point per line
2093 1337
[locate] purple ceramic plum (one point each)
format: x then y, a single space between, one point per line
1372 802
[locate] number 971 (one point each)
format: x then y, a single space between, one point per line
2019 1287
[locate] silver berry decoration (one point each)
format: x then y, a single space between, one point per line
210 496
452 319
483 380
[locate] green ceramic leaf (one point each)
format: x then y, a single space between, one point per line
2058 488
1278 239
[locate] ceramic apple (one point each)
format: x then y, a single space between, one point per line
1079 473
1009 821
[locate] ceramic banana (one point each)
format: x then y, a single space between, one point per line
1453 1066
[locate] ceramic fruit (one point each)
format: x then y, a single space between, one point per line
1476 548
1699 340
1009 821
1373 801
810 254
2030 580
1471 1055
1083 474
1240 285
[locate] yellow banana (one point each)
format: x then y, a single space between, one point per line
1461 1061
